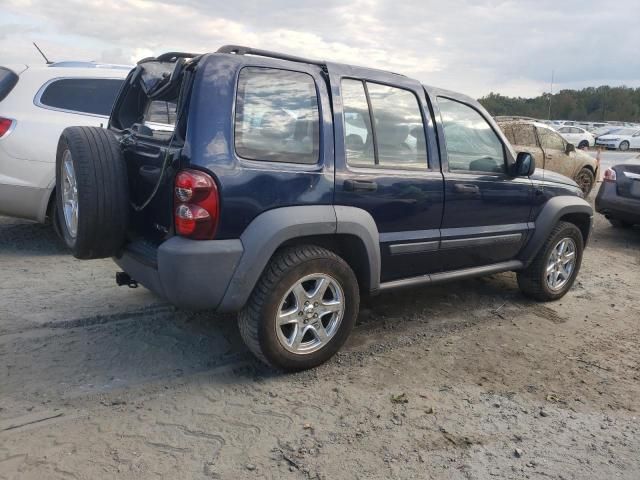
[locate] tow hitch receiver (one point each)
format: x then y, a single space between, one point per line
123 278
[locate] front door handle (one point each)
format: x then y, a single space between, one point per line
360 186
466 188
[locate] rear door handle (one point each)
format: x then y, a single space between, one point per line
466 188
360 186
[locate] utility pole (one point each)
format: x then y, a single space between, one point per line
550 95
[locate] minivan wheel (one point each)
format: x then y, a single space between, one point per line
624 146
302 309
585 180
92 192
555 267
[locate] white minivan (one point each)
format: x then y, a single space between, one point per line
37 102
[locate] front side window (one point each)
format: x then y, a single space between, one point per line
277 117
550 140
83 95
472 145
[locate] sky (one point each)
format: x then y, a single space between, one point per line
474 47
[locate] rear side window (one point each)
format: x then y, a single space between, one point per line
525 135
8 80
397 138
277 116
83 95
471 142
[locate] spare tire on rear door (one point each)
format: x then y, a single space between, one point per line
92 192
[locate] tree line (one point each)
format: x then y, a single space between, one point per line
595 104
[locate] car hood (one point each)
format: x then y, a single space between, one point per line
541 174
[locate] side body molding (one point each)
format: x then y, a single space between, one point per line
271 229
551 213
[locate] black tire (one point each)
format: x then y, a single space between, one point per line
617 223
584 145
533 280
102 192
55 220
585 180
257 321
624 146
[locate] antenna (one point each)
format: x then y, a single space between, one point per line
550 94
49 62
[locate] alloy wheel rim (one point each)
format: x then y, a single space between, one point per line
310 314
69 194
561 264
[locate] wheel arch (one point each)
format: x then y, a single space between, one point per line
347 231
562 208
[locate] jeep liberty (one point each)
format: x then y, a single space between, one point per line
284 188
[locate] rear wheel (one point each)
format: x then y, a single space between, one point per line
624 146
302 309
555 267
585 180
584 145
92 192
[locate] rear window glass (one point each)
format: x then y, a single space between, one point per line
84 95
162 112
277 116
8 80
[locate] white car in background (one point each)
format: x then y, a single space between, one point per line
622 139
37 102
578 136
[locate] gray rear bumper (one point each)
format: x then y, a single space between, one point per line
191 274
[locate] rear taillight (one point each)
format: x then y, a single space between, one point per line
197 205
5 125
609 175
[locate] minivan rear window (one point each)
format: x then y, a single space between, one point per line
277 117
83 95
8 80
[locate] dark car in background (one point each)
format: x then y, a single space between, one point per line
619 195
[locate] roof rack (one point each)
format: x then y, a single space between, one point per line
240 50
173 56
506 118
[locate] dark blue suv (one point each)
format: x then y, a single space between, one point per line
285 188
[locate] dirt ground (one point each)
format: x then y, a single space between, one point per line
467 380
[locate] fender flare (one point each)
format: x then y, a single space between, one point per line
269 230
552 212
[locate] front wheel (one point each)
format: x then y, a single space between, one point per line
302 309
624 146
555 267
585 180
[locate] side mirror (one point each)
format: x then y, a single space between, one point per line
570 148
525 165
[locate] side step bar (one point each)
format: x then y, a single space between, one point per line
450 276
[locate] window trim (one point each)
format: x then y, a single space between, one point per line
38 103
260 163
474 172
376 165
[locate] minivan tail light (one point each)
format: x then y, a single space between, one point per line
609 175
5 125
196 203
